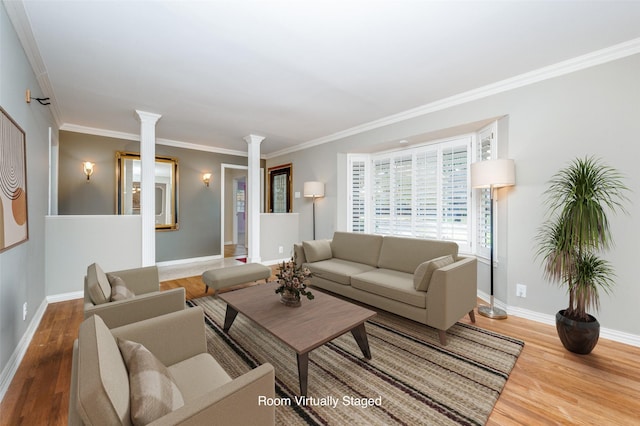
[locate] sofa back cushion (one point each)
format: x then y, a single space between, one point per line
317 250
98 285
103 382
405 254
355 247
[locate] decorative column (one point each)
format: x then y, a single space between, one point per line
148 122
253 198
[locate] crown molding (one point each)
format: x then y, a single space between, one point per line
22 26
598 57
160 141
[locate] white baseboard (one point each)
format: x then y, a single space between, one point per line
276 261
190 260
65 297
605 333
18 354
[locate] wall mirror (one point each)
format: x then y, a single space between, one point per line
280 184
128 168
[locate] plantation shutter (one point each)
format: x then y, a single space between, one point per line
401 197
381 223
454 213
426 194
357 186
483 204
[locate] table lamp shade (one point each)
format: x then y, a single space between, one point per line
493 173
313 189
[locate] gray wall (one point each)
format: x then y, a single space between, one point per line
199 206
588 112
22 267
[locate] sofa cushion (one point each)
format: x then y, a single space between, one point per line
198 375
424 271
337 270
119 290
154 393
317 250
98 285
405 254
355 247
391 284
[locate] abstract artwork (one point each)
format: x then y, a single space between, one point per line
13 184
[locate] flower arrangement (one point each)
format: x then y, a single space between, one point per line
293 280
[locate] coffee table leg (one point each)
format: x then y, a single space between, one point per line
229 316
360 334
303 372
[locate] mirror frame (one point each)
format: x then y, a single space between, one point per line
286 169
121 156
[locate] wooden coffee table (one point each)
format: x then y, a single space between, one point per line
303 329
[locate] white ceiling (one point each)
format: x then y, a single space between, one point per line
294 71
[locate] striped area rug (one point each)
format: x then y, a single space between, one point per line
410 380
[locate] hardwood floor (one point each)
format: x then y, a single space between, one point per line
547 386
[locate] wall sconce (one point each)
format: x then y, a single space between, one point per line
206 178
88 169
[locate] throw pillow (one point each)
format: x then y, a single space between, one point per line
424 271
119 290
317 250
153 391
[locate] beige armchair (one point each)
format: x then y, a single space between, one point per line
148 301
100 391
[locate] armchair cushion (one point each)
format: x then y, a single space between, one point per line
424 271
119 289
98 284
153 390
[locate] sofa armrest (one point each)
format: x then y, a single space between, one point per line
138 308
172 337
74 418
234 403
298 255
140 280
452 293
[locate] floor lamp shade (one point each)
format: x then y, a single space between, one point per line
315 190
492 174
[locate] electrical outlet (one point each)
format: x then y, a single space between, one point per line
24 311
280 249
521 290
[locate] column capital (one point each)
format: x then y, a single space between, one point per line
147 117
253 139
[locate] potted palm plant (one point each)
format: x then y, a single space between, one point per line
576 231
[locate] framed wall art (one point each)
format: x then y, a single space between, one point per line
14 227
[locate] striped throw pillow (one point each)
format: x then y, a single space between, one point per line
153 391
119 290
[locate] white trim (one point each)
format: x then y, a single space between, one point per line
64 297
190 260
69 127
10 369
588 60
605 333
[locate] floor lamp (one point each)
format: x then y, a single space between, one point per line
492 174
314 190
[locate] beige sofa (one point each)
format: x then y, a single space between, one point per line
405 276
100 388
148 301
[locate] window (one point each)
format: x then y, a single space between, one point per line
421 192
484 149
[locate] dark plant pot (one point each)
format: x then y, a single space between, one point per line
576 336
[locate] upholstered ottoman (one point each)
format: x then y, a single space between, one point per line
232 275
